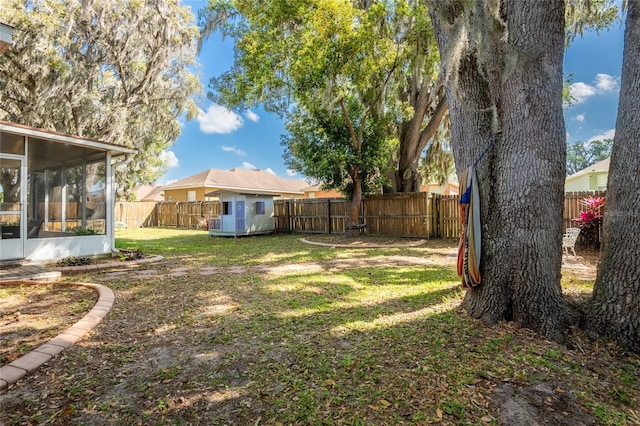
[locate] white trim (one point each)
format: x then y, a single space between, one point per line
60 137
110 203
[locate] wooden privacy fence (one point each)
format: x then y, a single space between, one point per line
406 215
191 214
136 214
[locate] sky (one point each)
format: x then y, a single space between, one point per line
223 139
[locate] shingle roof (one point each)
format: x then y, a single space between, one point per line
147 192
240 180
600 166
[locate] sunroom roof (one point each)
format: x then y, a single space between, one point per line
7 129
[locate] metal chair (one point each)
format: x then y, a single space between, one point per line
569 240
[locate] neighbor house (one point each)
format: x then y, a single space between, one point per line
146 192
592 178
316 191
196 187
448 188
57 194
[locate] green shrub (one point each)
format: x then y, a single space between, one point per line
74 261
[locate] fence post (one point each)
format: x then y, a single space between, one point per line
288 217
440 219
328 215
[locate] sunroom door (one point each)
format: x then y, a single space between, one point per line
11 211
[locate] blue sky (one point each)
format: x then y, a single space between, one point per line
222 139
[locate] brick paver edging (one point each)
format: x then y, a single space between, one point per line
11 373
94 266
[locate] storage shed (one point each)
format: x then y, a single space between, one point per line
242 214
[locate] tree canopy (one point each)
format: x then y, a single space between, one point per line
118 71
584 154
319 56
318 144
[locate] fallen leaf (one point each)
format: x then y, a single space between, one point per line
439 413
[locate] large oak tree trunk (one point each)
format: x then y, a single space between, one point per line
615 306
505 97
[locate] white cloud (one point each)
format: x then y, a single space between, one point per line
251 116
291 172
609 134
169 158
606 83
269 170
246 165
170 181
233 149
603 83
582 91
218 119
580 118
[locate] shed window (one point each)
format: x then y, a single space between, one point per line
259 207
226 208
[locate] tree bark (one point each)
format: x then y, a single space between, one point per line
505 103
414 139
614 309
356 201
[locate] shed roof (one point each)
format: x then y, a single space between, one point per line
240 180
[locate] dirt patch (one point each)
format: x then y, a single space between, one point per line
31 315
588 255
539 403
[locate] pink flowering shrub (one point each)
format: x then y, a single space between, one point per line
591 219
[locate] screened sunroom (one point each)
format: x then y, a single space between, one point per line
56 194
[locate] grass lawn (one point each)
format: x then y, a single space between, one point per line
268 330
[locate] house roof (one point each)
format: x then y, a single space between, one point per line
33 132
6 35
146 192
240 180
312 188
600 166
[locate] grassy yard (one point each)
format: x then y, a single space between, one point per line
268 330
